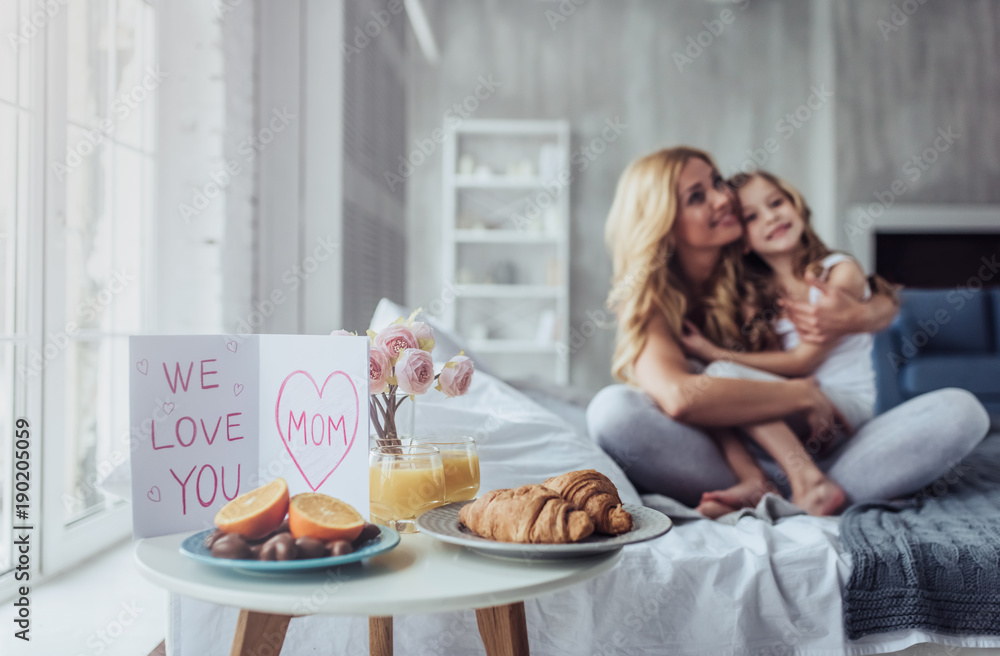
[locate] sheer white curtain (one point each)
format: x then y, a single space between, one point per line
102 82
21 173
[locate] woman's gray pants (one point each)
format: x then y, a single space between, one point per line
894 454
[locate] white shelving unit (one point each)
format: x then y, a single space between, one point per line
506 237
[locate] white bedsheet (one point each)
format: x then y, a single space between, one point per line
704 588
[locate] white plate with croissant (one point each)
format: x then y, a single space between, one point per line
575 515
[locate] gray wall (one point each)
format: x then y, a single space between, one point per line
374 133
609 60
941 68
205 108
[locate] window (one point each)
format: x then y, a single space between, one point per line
108 171
94 263
96 60
20 136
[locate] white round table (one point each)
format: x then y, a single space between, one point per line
421 574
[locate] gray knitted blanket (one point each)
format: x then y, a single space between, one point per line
933 561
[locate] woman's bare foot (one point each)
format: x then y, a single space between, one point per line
714 509
819 496
745 494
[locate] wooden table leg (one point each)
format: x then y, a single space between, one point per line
504 630
259 634
380 636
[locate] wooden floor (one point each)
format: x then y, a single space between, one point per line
160 649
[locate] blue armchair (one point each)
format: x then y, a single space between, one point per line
941 338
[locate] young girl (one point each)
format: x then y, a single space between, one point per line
785 259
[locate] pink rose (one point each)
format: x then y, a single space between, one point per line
456 376
343 333
414 371
378 370
424 335
394 339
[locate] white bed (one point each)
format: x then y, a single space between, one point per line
704 588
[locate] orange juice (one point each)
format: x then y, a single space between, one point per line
402 490
461 474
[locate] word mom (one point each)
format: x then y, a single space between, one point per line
327 428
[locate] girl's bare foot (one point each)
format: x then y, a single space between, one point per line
820 496
714 509
745 494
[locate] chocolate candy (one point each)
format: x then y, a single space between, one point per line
256 542
232 545
311 548
369 532
280 547
210 540
282 528
339 547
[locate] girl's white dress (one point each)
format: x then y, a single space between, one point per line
847 376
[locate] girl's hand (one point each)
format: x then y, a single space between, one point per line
697 344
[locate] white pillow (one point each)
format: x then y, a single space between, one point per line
447 344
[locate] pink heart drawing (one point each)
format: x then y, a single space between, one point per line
142 366
237 389
317 424
154 494
232 345
168 407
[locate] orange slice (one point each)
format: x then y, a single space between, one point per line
256 513
323 517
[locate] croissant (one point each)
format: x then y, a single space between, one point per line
594 493
529 514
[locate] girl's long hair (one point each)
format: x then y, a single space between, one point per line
646 279
764 290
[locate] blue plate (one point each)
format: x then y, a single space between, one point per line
194 547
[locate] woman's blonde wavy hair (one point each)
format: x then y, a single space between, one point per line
646 278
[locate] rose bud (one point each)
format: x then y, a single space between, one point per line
414 371
394 339
424 335
456 376
379 369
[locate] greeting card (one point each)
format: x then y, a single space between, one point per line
215 416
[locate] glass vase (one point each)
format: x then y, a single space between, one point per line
391 419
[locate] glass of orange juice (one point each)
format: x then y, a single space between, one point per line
404 482
461 464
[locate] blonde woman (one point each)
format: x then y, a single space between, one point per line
676 241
